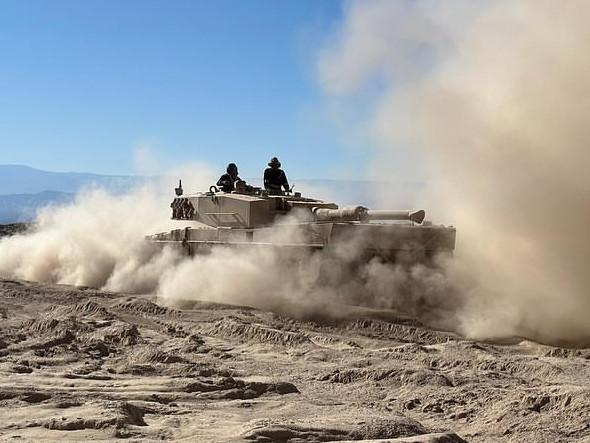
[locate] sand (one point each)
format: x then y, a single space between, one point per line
79 364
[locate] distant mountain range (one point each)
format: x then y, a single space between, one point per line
17 179
24 190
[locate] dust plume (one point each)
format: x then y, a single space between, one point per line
99 240
494 96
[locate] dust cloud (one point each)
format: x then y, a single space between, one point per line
99 240
494 97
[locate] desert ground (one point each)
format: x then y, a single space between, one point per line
80 364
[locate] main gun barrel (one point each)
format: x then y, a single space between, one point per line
360 213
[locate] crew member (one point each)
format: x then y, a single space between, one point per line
227 181
274 177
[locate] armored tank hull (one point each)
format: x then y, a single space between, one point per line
253 218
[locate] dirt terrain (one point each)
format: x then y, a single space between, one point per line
78 364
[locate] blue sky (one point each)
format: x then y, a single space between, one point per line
87 85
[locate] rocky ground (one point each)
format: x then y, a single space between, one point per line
78 364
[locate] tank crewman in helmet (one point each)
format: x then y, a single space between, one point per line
274 177
227 181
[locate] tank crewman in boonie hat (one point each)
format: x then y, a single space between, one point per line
274 177
227 181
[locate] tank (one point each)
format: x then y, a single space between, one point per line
252 217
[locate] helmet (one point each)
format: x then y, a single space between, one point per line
230 167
